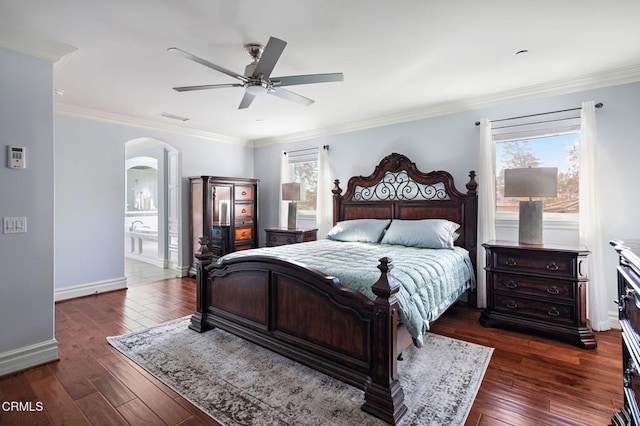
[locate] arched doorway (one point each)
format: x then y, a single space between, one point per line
153 240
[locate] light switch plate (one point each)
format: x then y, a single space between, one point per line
14 225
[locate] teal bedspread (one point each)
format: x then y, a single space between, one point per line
430 279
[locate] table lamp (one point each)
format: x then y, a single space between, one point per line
531 182
291 193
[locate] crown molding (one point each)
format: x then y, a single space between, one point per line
560 87
109 117
38 47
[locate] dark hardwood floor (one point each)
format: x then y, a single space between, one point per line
531 380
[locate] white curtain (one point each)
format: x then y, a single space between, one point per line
324 208
285 177
590 230
486 204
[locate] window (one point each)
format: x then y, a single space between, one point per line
302 166
552 150
306 172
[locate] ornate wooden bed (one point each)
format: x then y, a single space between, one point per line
292 310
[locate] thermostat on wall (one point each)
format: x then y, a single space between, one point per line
16 157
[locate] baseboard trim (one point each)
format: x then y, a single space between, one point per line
28 356
614 321
81 290
182 271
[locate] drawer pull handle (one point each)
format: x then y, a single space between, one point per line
244 210
552 266
553 290
511 304
244 234
244 192
511 262
511 284
553 312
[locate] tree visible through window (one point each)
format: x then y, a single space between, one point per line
306 173
559 151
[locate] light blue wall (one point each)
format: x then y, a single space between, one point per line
90 170
26 260
450 142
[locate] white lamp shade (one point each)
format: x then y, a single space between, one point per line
531 182
291 191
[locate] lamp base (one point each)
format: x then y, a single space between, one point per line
530 226
293 215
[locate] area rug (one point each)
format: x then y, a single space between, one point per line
239 383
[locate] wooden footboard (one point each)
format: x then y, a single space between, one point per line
310 318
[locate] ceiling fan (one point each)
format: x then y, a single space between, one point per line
257 75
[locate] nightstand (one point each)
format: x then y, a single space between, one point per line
541 287
282 236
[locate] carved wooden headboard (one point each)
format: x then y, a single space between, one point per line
398 190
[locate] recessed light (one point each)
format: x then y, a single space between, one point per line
520 52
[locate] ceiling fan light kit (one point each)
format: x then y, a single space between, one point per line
256 79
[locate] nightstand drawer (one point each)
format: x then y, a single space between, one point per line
520 306
283 236
279 238
521 284
553 264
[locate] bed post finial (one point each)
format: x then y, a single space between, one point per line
336 188
472 185
203 256
337 200
384 397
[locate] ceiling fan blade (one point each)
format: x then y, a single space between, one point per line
290 96
246 100
207 63
292 80
269 57
205 87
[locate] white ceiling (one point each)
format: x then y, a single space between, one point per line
400 59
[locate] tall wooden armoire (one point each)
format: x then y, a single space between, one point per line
225 210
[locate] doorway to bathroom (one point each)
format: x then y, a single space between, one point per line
151 216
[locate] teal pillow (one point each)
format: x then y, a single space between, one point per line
425 233
359 230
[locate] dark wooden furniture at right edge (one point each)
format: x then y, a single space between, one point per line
541 287
628 274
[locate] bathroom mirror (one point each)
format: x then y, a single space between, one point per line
142 184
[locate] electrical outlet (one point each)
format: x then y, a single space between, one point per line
14 225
